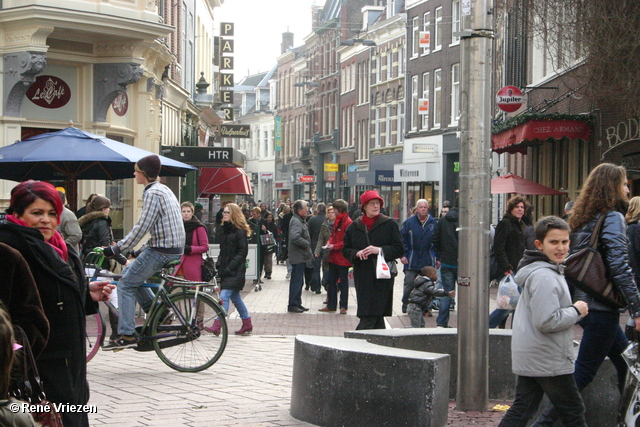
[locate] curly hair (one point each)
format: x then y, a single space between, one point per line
602 192
513 202
633 214
236 217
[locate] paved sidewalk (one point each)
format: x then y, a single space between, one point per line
251 383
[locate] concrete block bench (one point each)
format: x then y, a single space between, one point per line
502 382
348 382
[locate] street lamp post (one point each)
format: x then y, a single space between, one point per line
475 202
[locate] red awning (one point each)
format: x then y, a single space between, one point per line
517 139
513 184
224 181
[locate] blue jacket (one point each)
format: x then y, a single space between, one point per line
417 242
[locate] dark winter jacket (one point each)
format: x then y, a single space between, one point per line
66 302
20 295
299 241
231 264
614 247
445 238
315 224
96 231
633 234
418 247
508 243
423 292
375 296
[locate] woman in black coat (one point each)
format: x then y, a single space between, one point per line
508 247
231 264
30 228
96 228
362 242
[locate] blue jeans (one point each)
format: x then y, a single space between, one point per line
601 337
448 277
134 275
497 316
236 299
295 285
338 272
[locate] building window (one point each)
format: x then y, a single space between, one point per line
401 61
390 73
377 125
400 118
437 97
455 21
388 139
438 29
426 84
414 103
426 28
455 94
416 37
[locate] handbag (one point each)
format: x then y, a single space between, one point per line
508 293
585 269
267 239
29 387
208 269
391 267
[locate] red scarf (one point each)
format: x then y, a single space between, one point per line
56 241
368 222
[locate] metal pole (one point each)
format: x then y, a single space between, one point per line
475 166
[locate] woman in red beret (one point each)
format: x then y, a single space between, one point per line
362 243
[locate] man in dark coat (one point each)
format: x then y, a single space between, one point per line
445 242
299 255
315 225
362 242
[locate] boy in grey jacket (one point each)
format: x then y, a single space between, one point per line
542 344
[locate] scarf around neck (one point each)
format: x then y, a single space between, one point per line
56 241
368 222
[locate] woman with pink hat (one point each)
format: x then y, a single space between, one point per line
363 241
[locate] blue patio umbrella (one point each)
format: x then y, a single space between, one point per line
72 154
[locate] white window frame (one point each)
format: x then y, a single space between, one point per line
426 23
455 22
414 103
401 121
437 98
426 85
415 44
388 127
455 94
376 131
438 33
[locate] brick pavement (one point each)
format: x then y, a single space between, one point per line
251 383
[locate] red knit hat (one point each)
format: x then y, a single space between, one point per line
368 196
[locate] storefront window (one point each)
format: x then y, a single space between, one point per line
392 201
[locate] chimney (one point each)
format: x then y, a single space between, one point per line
287 42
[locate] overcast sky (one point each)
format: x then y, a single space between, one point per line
259 25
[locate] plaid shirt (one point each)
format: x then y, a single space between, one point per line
161 217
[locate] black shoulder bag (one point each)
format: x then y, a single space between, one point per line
585 270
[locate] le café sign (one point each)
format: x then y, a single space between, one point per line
49 92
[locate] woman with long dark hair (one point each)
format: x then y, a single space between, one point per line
231 264
196 244
30 227
603 193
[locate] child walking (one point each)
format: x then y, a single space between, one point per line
542 345
423 292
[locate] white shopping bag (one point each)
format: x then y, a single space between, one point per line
382 268
508 293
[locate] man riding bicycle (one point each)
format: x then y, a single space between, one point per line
161 217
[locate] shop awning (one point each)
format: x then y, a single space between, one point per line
224 181
516 139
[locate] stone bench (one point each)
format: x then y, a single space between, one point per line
348 382
502 382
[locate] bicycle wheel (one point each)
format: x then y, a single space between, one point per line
189 347
95 331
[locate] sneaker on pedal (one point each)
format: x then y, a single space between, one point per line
126 341
111 345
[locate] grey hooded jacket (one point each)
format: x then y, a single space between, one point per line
542 343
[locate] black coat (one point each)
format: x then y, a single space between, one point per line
375 296
445 238
315 225
96 232
614 247
633 234
231 264
509 243
66 303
